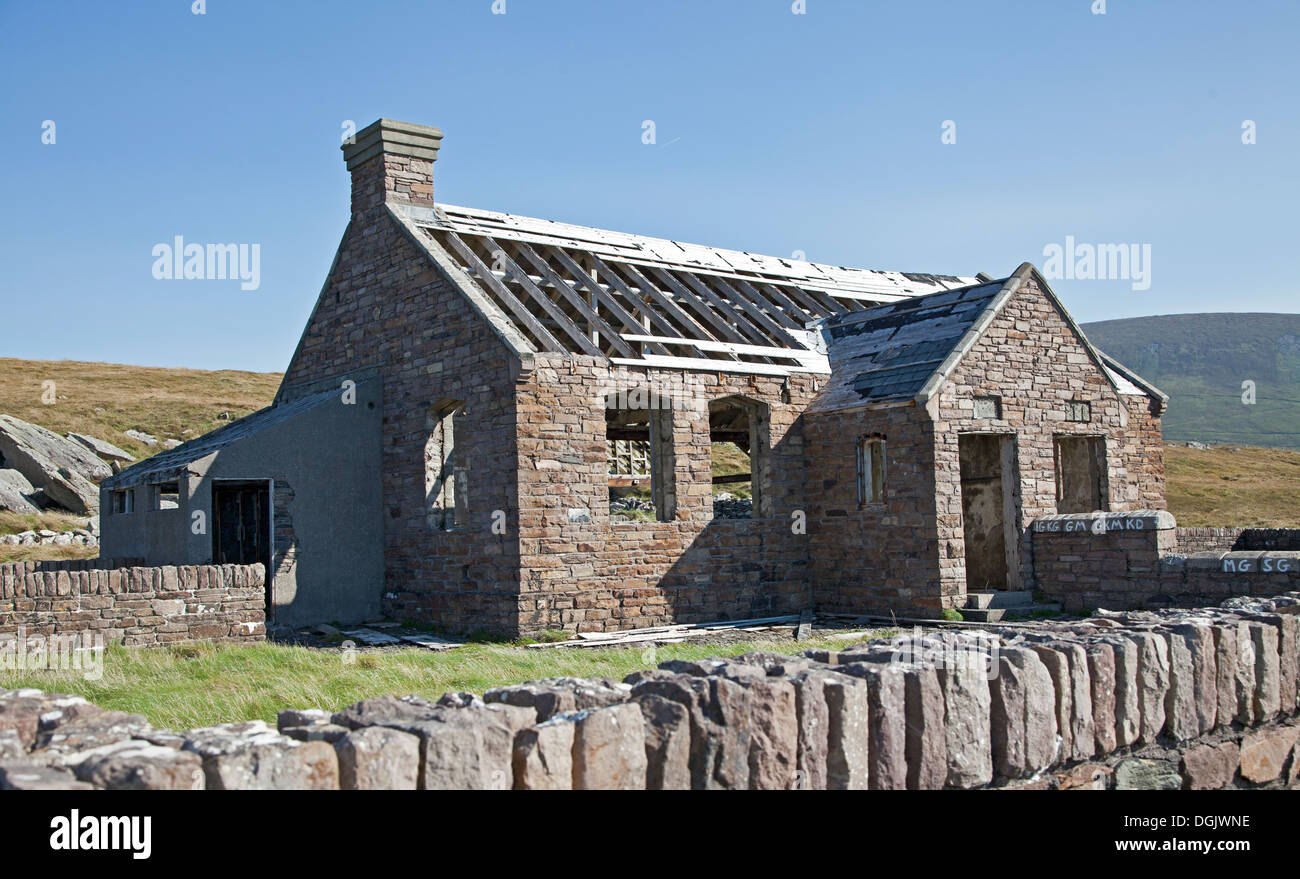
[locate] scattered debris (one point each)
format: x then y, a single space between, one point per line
371 637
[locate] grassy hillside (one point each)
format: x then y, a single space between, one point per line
1238 486
1201 360
104 399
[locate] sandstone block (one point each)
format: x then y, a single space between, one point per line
378 758
609 748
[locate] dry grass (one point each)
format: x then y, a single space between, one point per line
46 553
104 399
1245 487
16 523
196 685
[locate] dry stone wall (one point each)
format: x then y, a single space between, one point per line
1190 540
1177 699
136 606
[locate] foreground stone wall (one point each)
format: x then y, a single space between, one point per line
1179 699
136 606
1129 560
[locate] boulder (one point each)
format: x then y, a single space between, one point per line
22 712
103 449
139 436
1200 641
67 472
1244 680
1128 712
16 493
1007 720
813 718
1152 680
1268 689
461 749
1058 669
1181 723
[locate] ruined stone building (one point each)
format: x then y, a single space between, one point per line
473 388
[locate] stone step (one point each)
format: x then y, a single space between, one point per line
1018 599
982 614
1044 607
979 599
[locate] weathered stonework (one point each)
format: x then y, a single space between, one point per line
850 720
135 606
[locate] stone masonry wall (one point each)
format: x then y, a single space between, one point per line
584 573
1190 540
45 565
1033 359
137 606
1119 561
387 310
873 557
1200 699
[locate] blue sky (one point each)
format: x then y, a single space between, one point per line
776 132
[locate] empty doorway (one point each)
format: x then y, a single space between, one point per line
241 527
988 511
1080 474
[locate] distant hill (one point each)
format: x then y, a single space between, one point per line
1201 361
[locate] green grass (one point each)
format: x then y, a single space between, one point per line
202 684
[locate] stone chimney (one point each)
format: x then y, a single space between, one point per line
392 161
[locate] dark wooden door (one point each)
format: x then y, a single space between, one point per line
241 533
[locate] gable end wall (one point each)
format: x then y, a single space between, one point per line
387 310
1031 357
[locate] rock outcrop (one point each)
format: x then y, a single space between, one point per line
65 471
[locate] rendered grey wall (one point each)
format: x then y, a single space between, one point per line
329 566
